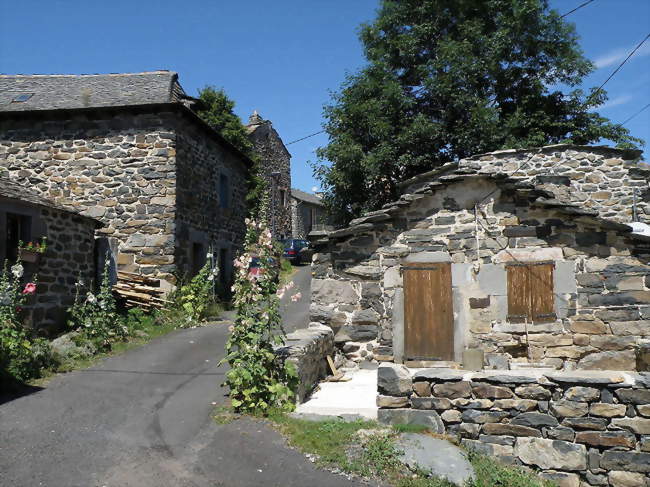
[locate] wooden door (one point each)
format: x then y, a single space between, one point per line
428 312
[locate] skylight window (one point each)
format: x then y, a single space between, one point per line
22 97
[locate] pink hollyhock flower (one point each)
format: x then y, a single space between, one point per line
30 288
296 297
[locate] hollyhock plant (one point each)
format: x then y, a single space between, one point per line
258 379
22 355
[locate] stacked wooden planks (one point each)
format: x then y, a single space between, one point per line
139 291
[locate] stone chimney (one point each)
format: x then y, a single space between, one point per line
255 119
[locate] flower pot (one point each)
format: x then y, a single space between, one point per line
29 255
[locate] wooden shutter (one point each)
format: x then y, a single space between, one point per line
518 293
542 295
530 293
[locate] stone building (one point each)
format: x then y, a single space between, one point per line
307 213
70 254
524 254
128 150
275 165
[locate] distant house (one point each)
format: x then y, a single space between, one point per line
128 150
25 217
307 213
275 165
528 256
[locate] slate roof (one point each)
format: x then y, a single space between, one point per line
52 92
306 197
12 190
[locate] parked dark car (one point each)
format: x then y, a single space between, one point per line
297 250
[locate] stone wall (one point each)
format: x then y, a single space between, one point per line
600 178
307 349
201 219
304 216
69 257
122 167
601 275
578 427
274 157
118 167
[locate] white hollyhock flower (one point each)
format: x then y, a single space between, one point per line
17 270
90 298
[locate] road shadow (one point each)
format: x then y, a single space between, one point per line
11 389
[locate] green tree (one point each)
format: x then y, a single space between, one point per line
219 114
450 78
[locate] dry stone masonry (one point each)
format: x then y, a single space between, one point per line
480 220
577 428
275 166
128 150
68 259
308 349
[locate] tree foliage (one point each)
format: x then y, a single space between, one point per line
218 112
450 78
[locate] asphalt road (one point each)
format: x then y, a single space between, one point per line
296 314
142 419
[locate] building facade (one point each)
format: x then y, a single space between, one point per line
275 166
307 213
128 150
69 256
511 253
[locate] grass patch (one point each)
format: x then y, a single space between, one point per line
327 439
224 414
410 428
287 270
368 449
491 473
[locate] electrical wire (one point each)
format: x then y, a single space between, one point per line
633 116
577 8
617 69
303 138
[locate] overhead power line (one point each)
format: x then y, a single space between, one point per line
577 8
303 138
617 69
632 116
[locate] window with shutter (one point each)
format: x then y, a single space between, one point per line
530 293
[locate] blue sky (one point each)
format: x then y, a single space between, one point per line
281 58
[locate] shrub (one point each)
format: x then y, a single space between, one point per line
258 379
193 301
95 316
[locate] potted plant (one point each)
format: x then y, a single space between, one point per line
30 251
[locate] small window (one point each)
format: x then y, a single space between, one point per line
19 228
198 258
531 297
283 196
224 191
22 97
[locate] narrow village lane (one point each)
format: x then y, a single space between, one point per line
296 314
143 419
